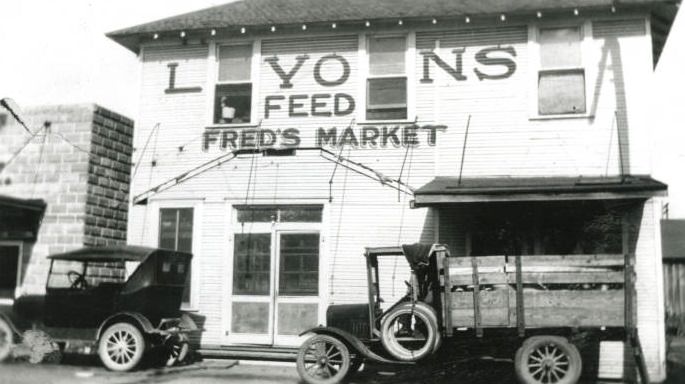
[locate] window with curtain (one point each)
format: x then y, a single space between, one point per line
233 92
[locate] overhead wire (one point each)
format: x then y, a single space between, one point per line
5 102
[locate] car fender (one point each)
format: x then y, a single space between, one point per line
8 318
352 342
135 318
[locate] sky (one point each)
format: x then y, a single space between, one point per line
56 52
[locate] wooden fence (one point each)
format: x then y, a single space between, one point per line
674 288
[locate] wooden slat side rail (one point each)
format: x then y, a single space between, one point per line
594 260
482 261
629 294
476 298
520 316
491 270
447 313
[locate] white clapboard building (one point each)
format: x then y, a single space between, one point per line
276 139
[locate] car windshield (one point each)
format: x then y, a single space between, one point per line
84 274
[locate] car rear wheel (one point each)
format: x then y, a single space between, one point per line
178 352
6 340
121 347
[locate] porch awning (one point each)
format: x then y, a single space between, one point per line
450 190
20 218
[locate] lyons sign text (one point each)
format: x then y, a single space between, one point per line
493 63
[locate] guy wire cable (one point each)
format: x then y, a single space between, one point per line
335 167
401 227
340 218
155 131
45 129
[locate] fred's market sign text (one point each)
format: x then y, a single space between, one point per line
368 136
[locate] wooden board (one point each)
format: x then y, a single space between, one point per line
567 308
491 270
494 308
598 260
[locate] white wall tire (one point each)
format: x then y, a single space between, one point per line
409 332
547 360
6 340
121 347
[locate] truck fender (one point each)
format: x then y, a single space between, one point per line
135 318
351 341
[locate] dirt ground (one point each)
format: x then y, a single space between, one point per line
77 370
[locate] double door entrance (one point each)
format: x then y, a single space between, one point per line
276 278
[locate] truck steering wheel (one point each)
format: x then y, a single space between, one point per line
77 280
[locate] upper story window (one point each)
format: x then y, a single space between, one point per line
561 77
386 88
233 93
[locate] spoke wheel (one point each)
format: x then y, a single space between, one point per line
323 359
177 353
6 340
121 347
548 360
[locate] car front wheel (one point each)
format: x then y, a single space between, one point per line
121 347
6 338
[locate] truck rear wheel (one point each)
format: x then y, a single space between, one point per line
547 360
6 340
121 347
323 359
409 332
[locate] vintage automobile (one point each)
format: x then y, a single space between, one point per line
540 303
89 305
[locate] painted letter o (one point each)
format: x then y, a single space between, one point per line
340 80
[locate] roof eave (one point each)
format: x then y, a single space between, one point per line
131 38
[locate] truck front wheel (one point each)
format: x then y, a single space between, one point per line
323 359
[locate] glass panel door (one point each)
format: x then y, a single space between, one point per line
252 298
275 292
297 299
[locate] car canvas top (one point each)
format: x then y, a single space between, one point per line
112 253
